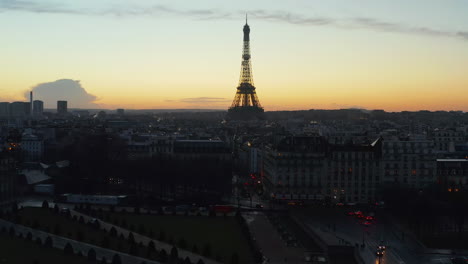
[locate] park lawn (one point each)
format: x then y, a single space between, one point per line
21 251
46 220
223 234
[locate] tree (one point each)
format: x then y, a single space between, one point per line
133 249
162 256
68 250
174 254
48 242
91 254
187 260
45 204
113 231
131 238
116 259
206 250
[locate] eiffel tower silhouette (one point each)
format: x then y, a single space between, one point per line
245 103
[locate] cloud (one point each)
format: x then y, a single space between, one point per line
65 89
129 10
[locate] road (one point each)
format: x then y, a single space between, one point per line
401 249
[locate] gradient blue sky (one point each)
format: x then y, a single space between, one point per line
393 55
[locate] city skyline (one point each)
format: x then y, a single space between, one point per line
310 55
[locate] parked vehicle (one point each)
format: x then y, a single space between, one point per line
222 208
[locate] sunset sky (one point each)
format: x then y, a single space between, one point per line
387 54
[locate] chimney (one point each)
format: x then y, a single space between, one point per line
31 101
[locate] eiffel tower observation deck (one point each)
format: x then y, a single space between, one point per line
246 104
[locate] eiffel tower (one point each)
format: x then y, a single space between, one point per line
246 104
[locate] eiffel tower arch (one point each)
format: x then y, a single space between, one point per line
246 104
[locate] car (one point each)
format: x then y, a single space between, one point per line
459 260
259 206
340 204
366 223
64 210
360 216
182 208
350 213
382 245
369 218
379 253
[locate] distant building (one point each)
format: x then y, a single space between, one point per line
446 140
294 168
408 162
452 174
62 107
7 181
32 147
4 109
38 108
120 112
20 109
353 173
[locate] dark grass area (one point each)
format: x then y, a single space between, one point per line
223 234
22 251
62 225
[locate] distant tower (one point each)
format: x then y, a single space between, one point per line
31 102
62 107
245 104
